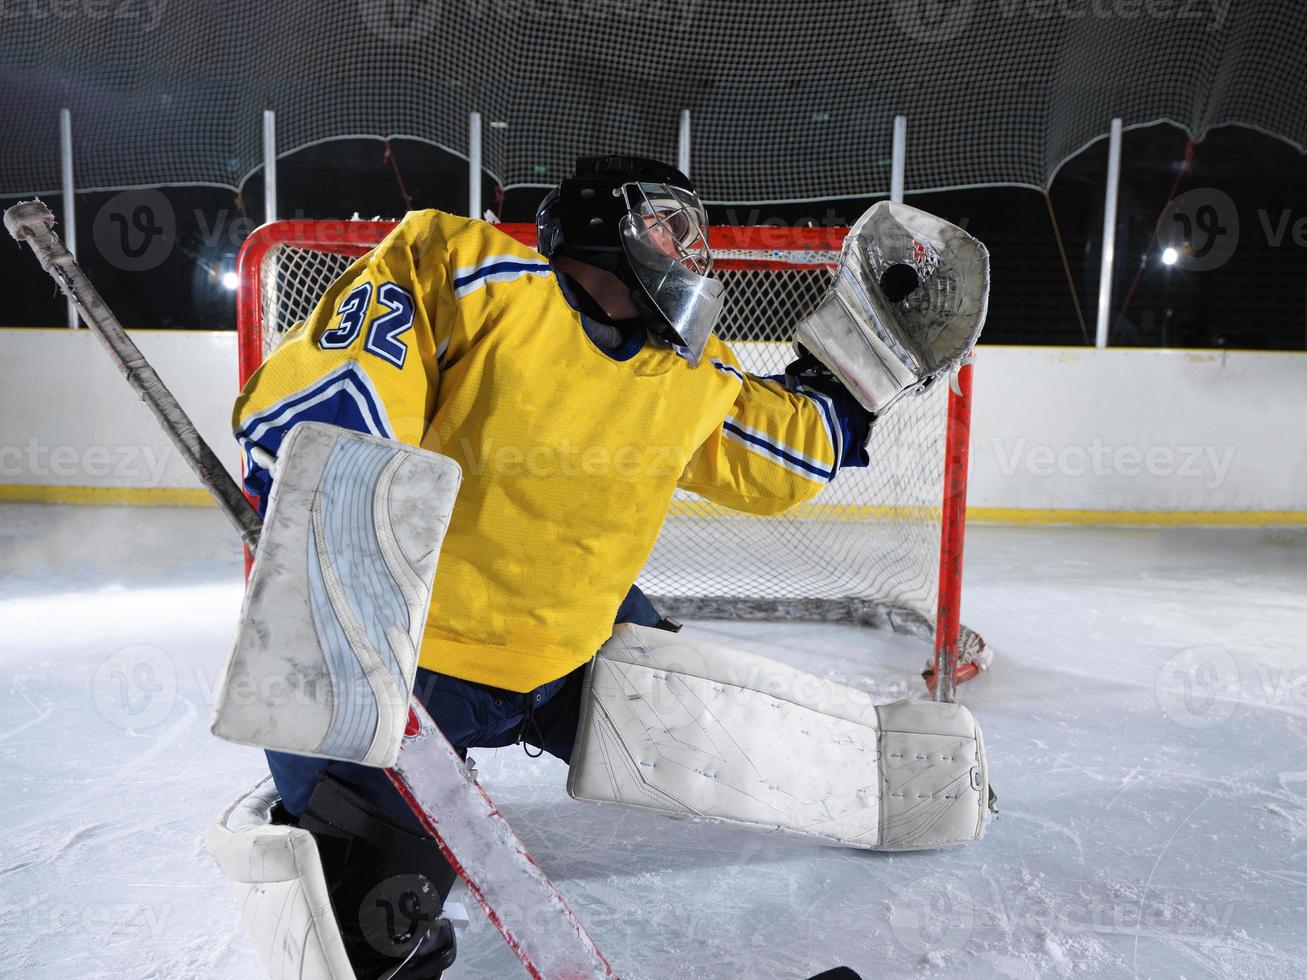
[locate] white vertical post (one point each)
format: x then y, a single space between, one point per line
1109 234
269 165
70 205
683 144
474 166
898 162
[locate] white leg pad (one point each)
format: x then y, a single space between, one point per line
693 728
281 889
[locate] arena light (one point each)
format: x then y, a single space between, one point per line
1169 256
230 280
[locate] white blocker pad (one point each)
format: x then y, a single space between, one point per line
327 648
696 729
280 888
906 305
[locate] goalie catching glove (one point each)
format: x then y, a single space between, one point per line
906 306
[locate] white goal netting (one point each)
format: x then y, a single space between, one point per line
866 550
790 101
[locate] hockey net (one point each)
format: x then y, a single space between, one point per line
874 548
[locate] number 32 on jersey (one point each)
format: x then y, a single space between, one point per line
385 329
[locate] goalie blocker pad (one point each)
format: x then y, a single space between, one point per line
906 305
696 729
327 647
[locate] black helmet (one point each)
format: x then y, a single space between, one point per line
642 221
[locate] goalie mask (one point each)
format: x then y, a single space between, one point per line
642 221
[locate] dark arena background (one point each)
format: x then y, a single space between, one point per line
1103 511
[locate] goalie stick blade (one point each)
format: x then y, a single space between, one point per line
522 903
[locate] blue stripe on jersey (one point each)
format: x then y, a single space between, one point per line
345 397
496 270
727 369
833 430
845 417
790 459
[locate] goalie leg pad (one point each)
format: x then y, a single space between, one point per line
326 651
281 889
345 862
693 728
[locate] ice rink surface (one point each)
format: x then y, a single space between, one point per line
1146 719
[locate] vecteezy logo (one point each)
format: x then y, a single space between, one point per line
1199 686
933 913
396 914
1202 225
135 231
400 21
933 21
135 687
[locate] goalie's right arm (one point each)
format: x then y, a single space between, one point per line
782 441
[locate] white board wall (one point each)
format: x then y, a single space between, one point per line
1054 430
1139 430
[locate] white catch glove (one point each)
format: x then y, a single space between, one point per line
906 305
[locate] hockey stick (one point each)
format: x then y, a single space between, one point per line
33 223
522 903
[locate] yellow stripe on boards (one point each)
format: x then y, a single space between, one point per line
1017 515
132 496
1137 518
1031 516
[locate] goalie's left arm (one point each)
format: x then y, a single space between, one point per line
784 439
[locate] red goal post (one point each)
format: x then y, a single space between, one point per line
881 546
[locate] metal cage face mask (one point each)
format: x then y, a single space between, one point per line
676 219
664 236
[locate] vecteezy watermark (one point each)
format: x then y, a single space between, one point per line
570 460
932 914
148 12
1100 458
143 465
936 21
135 230
411 21
1032 908
1199 686
138 230
1213 12
1202 686
135 687
933 21
396 914
1201 228
401 21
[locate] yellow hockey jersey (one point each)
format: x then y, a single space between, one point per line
455 337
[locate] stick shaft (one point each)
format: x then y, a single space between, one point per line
33 223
